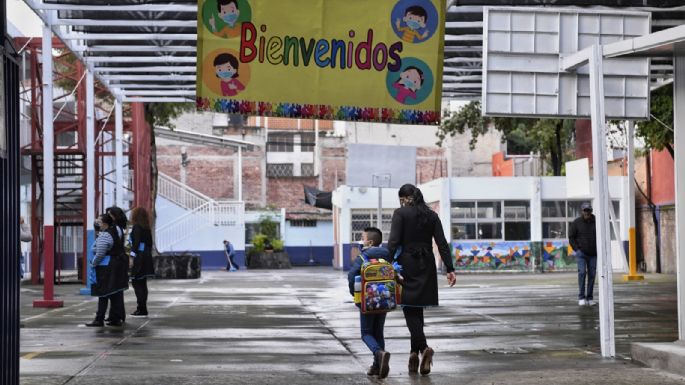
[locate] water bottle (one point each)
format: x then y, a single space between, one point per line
358 289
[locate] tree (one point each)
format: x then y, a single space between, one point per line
550 137
658 131
160 114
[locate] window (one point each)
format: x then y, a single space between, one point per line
307 169
252 229
516 220
307 142
477 220
303 223
554 220
280 142
279 170
362 219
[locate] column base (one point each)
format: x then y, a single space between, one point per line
48 303
636 277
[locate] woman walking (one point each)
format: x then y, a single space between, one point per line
141 252
414 226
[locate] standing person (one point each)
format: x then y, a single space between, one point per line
121 262
414 226
371 325
229 251
582 237
103 276
24 236
141 253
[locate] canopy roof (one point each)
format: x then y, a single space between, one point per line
146 51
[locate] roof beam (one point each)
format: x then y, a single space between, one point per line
464 60
130 86
127 23
448 78
130 36
118 8
159 93
162 69
160 77
135 48
158 99
141 59
464 24
462 69
473 37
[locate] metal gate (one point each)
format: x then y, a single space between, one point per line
9 212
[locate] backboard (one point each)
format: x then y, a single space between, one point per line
371 165
521 73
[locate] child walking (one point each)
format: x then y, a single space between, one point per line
371 325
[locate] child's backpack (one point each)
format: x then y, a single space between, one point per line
377 290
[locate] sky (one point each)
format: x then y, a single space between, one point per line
22 19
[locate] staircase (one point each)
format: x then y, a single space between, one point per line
202 212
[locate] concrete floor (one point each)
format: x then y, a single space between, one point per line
299 327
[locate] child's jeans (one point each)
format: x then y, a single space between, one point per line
372 332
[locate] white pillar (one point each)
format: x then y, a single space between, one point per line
48 133
119 152
90 150
679 147
601 203
631 175
240 173
318 164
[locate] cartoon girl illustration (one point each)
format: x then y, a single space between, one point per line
229 13
410 81
226 66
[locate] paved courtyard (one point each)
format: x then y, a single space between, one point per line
299 327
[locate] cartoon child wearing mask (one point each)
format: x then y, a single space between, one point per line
410 81
226 66
229 13
415 18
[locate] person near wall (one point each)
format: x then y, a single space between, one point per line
141 257
105 282
229 251
24 236
582 237
414 227
122 263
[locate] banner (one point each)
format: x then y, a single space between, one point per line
358 60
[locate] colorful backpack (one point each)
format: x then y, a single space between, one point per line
376 289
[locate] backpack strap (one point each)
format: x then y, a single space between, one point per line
363 256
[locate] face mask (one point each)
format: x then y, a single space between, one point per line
408 83
230 18
413 24
226 74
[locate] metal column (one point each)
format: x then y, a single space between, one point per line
601 203
240 173
632 239
119 152
48 178
90 177
679 163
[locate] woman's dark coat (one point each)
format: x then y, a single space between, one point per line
141 245
113 277
420 286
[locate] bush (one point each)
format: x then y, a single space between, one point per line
277 244
259 242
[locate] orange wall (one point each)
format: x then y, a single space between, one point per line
500 166
663 187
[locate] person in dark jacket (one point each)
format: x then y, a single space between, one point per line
103 276
141 254
121 265
414 226
583 239
372 325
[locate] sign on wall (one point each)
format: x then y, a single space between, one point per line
357 60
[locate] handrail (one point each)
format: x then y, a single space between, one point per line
171 180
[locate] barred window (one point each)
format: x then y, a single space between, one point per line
307 142
279 170
303 223
362 219
307 169
280 142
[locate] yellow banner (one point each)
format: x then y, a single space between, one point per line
359 60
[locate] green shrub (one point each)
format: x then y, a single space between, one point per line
277 244
258 242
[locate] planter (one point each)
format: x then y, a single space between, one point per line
269 260
177 266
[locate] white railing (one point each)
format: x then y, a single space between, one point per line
179 193
203 212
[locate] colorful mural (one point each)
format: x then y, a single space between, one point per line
556 256
489 256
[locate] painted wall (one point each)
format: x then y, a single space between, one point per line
663 186
321 235
500 166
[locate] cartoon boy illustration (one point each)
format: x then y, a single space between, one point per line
229 13
415 18
410 81
226 66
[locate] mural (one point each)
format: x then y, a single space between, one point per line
556 256
489 256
